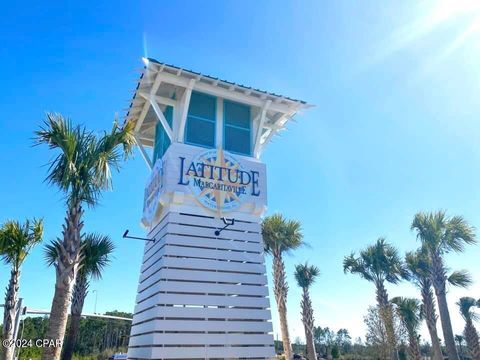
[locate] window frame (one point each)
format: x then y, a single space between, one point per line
225 125
214 121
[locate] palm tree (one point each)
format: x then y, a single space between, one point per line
16 241
81 170
281 236
96 252
439 235
409 312
380 263
466 305
305 275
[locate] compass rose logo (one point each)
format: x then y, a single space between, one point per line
217 187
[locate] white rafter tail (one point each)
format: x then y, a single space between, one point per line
141 118
263 115
145 156
184 102
161 117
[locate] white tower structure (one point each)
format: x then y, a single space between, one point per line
202 291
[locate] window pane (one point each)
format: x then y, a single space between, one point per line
200 132
237 140
202 105
236 114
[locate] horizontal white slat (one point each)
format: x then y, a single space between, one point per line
210 233
200 312
213 254
186 252
194 275
213 223
206 264
202 288
213 243
213 352
214 300
201 339
201 352
153 259
202 325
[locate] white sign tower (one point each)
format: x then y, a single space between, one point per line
202 292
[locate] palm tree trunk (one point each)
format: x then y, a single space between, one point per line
80 291
431 319
413 346
66 269
471 336
308 323
438 280
386 314
10 311
281 290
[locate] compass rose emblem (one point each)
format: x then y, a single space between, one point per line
218 188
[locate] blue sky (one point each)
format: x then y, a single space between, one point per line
395 128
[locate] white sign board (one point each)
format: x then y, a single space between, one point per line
219 183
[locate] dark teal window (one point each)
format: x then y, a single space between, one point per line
200 126
236 128
162 141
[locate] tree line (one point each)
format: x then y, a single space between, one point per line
97 338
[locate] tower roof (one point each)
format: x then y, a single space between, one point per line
161 85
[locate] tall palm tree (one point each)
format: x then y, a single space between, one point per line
281 236
81 170
466 305
306 275
380 263
96 253
439 235
16 241
409 312
418 266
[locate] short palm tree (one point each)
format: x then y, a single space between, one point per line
16 241
96 253
81 170
467 305
439 235
460 339
281 236
380 263
409 312
306 275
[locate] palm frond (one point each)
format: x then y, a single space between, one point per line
51 252
377 262
17 239
461 278
409 310
306 275
97 252
466 305
82 167
281 235
441 234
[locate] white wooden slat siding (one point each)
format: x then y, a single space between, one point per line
202 296
146 324
262 352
